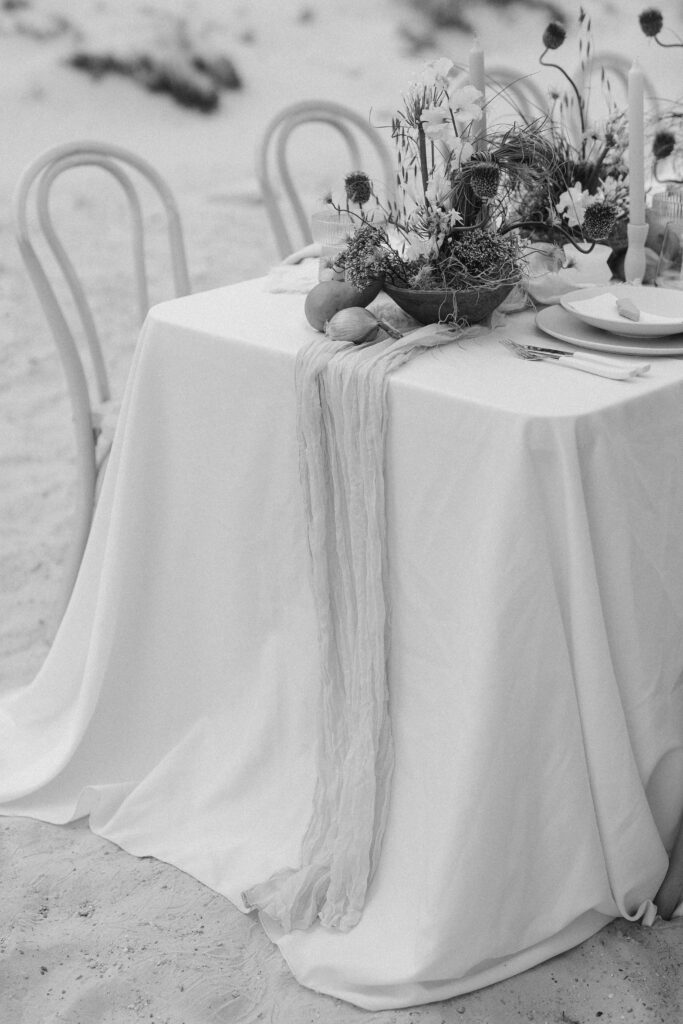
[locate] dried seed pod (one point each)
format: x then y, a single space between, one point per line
554 35
485 179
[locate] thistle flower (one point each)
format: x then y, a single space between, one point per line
663 145
554 35
599 220
485 179
651 21
357 187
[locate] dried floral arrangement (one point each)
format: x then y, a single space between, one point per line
667 140
466 199
445 228
586 195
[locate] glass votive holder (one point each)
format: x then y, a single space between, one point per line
665 207
331 230
669 270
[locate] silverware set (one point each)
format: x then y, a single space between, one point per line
589 362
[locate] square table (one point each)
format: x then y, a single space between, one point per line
535 544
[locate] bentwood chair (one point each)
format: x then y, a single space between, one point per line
69 314
274 166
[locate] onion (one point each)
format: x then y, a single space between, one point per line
357 325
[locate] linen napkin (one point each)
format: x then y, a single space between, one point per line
341 393
605 307
293 277
297 278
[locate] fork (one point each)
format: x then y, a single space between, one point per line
576 362
635 369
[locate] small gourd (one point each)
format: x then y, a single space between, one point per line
328 297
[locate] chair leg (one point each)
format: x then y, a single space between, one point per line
74 556
82 520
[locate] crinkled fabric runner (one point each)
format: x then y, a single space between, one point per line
341 392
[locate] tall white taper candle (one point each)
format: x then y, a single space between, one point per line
636 145
478 80
634 263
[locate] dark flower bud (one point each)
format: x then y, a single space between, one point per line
485 179
358 188
554 35
651 21
663 145
599 220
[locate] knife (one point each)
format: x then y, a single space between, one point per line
633 369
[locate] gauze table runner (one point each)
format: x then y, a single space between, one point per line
535 537
341 394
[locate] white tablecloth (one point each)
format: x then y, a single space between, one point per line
536 559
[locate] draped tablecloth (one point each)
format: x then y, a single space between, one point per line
535 545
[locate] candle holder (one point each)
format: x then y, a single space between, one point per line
669 270
634 261
331 229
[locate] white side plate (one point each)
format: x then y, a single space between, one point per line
564 326
653 302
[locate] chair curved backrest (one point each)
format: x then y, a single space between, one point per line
32 196
274 170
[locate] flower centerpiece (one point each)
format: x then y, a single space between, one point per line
585 195
666 143
440 248
447 246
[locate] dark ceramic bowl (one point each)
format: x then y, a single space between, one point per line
439 305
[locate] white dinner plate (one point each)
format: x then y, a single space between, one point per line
663 307
564 326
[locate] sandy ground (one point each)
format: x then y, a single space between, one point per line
88 934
